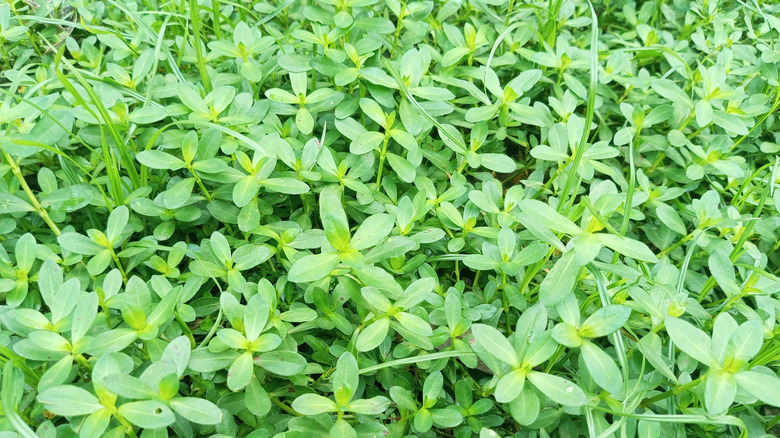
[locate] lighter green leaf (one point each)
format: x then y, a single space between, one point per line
313 404
560 281
628 247
719 391
670 218
604 321
313 267
762 386
373 335
509 386
69 400
495 343
547 216
602 368
558 389
149 414
691 340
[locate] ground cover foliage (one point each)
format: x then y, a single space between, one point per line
381 218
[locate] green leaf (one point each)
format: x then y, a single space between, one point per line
178 195
602 368
729 122
481 113
342 429
447 417
256 399
604 321
128 386
12 204
373 406
336 232
25 252
304 121
414 324
376 299
249 256
719 391
245 190
650 345
197 410
148 414
671 91
79 244
366 142
283 363
692 341
541 348
330 204
416 293
240 372
566 334
670 218
372 231
558 389
289 186
346 374
159 160
497 163
507 240
373 110
525 407
405 139
374 75
560 281
69 400
760 385
547 216
57 374
147 115
454 55
540 231
190 97
204 361
112 341
117 221
313 404
403 168
313 267
509 386
255 316
373 335
628 247
495 343
723 270
746 341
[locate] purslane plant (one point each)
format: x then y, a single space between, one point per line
362 218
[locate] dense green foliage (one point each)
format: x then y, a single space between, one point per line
375 218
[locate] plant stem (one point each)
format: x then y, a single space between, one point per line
215 19
676 391
398 26
33 200
196 35
8 355
284 407
119 266
185 329
382 161
676 244
200 183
